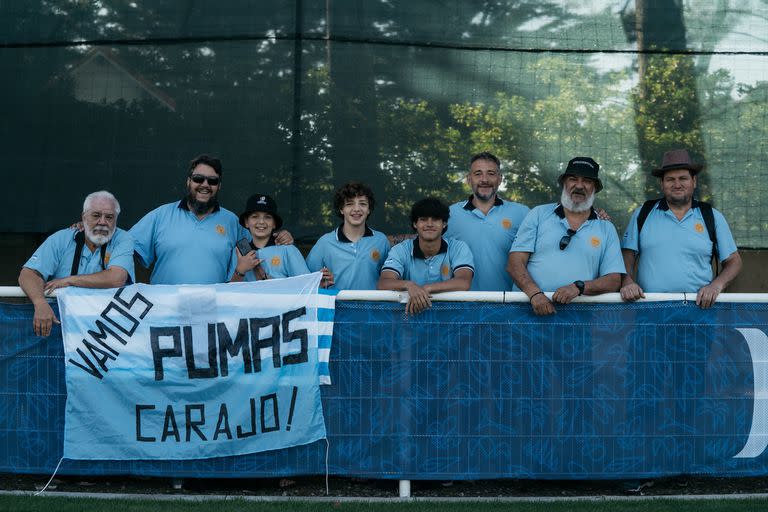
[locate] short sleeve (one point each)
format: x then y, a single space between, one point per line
143 234
726 245
397 259
122 255
47 257
525 240
629 241
461 256
611 261
316 255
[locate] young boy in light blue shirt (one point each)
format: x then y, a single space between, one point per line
429 263
266 260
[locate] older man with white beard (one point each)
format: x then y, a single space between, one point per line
564 247
100 256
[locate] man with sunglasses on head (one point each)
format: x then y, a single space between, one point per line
564 247
192 241
100 256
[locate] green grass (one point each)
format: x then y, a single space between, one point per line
51 504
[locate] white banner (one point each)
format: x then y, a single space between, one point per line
191 372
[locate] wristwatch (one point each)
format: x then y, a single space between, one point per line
580 286
243 275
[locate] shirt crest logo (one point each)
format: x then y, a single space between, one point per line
375 255
220 229
506 223
275 261
445 270
595 241
698 227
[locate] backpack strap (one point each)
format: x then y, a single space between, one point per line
709 222
79 243
645 210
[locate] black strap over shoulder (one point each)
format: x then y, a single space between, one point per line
79 243
706 214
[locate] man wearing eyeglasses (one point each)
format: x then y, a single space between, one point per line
564 247
100 256
191 241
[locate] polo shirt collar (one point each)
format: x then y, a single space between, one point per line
664 206
270 243
341 237
560 212
469 206
417 253
183 206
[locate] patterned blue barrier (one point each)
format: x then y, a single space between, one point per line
475 391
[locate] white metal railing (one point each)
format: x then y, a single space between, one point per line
501 297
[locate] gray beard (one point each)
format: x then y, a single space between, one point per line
98 240
568 203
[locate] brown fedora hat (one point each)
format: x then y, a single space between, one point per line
677 159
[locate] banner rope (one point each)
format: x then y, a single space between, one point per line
41 491
327 467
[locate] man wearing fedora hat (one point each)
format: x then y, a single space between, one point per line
265 259
670 243
564 247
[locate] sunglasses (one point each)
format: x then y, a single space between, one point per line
566 239
199 179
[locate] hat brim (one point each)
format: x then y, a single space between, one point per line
694 168
598 183
278 219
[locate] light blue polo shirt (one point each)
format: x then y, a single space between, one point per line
489 237
675 255
355 265
279 261
186 250
53 259
407 260
592 252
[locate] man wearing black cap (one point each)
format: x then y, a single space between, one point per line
564 247
678 237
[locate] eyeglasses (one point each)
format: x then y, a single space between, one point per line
566 239
199 178
96 216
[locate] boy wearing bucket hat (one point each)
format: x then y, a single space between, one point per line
564 247
670 242
265 260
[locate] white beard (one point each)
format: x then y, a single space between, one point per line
568 203
98 239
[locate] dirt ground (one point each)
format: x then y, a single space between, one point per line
315 486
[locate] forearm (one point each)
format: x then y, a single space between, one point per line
32 284
731 268
391 281
455 284
630 265
605 284
113 277
517 267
